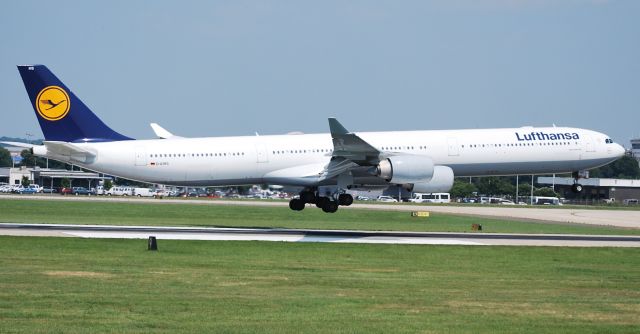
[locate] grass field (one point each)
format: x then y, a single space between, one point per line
69 285
162 214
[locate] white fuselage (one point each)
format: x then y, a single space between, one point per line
254 159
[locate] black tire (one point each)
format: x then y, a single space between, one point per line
308 197
296 204
330 206
345 199
576 188
320 201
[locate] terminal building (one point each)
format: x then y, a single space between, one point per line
51 178
595 189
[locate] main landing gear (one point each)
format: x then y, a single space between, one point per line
328 204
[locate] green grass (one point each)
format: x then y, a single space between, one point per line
68 285
184 214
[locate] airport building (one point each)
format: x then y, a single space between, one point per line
595 189
635 149
51 177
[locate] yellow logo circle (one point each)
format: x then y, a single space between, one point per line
53 103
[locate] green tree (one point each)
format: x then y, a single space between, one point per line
28 159
546 192
25 181
494 185
623 168
5 158
524 189
462 188
65 182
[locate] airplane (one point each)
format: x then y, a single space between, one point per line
324 166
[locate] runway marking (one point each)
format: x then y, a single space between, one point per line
329 236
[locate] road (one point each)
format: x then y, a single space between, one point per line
618 218
330 236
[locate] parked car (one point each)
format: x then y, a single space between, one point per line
35 187
387 199
28 190
197 193
77 191
49 190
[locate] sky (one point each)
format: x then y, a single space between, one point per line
225 68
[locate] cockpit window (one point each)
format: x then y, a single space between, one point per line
608 141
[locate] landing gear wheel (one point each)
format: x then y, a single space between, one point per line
345 199
330 206
576 188
308 197
320 201
296 204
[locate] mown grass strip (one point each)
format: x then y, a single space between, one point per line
162 214
70 285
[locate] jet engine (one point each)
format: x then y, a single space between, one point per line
441 182
401 169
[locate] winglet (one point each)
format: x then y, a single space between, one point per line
336 128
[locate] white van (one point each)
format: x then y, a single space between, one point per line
119 191
144 192
431 198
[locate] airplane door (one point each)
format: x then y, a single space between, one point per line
261 150
453 147
141 157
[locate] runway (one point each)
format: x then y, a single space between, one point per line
329 236
605 217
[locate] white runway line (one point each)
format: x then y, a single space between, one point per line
280 238
328 236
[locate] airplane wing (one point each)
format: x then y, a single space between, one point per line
350 146
162 133
349 152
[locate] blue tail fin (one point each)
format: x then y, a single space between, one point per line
62 116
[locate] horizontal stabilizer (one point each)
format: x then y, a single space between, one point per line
17 144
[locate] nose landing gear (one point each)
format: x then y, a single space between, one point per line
577 188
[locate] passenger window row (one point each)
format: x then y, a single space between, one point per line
184 155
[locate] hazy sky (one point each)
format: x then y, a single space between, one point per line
217 68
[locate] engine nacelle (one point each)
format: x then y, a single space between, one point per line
405 169
441 182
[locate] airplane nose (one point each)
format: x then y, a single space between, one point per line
619 150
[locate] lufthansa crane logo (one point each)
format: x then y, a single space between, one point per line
53 103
